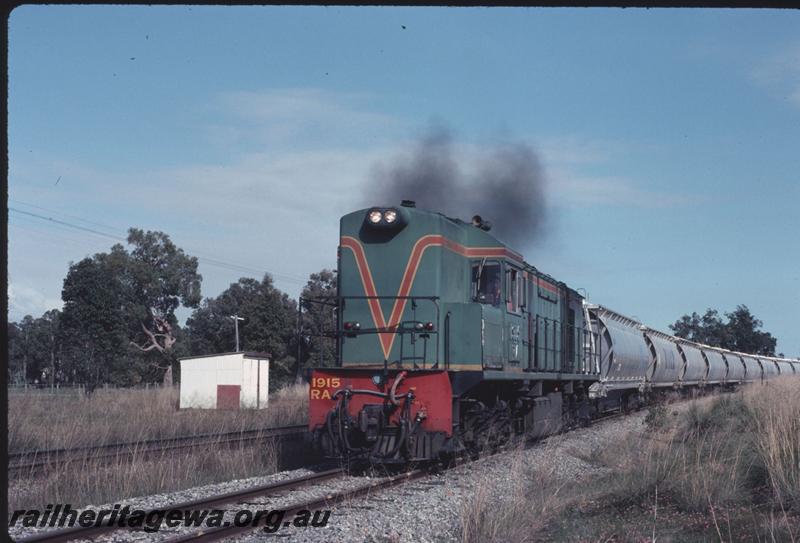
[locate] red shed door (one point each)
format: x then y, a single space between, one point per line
228 396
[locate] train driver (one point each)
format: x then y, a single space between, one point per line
495 291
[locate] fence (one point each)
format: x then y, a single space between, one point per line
76 389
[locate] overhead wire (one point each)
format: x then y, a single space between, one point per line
202 258
80 219
51 234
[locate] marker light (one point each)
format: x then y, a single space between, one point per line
429 326
418 326
390 216
375 216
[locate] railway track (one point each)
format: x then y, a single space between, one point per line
77 532
222 532
30 463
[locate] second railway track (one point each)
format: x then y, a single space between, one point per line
28 463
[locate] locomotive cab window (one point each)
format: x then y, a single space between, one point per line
487 282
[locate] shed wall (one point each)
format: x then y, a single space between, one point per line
200 378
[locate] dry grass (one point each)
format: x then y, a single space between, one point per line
95 483
777 444
689 458
513 512
39 421
726 469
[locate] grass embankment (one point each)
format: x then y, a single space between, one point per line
42 421
39 422
725 469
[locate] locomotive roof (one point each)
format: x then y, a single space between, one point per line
476 235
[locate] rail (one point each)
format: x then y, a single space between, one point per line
79 532
38 460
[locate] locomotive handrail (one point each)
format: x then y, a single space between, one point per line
400 328
433 298
386 330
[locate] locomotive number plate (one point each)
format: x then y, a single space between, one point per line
322 388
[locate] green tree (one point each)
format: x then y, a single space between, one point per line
708 329
745 336
119 321
26 350
48 330
318 321
268 326
740 333
159 278
15 354
34 349
94 330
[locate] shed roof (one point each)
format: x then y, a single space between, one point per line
245 354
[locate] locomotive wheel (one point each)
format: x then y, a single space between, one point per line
487 428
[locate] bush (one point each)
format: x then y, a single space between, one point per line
656 417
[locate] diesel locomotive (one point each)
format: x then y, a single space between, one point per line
449 342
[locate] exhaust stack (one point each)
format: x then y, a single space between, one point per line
478 222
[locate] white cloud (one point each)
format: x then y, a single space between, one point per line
794 97
273 211
25 300
780 75
305 116
572 164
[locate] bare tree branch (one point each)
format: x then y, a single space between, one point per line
153 344
145 349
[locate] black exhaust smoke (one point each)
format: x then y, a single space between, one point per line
505 185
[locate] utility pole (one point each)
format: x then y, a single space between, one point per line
236 319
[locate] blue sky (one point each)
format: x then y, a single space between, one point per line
670 139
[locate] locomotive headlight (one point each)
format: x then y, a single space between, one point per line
375 216
390 216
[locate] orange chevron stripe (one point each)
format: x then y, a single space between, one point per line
410 272
368 284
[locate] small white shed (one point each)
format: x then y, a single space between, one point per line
225 381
